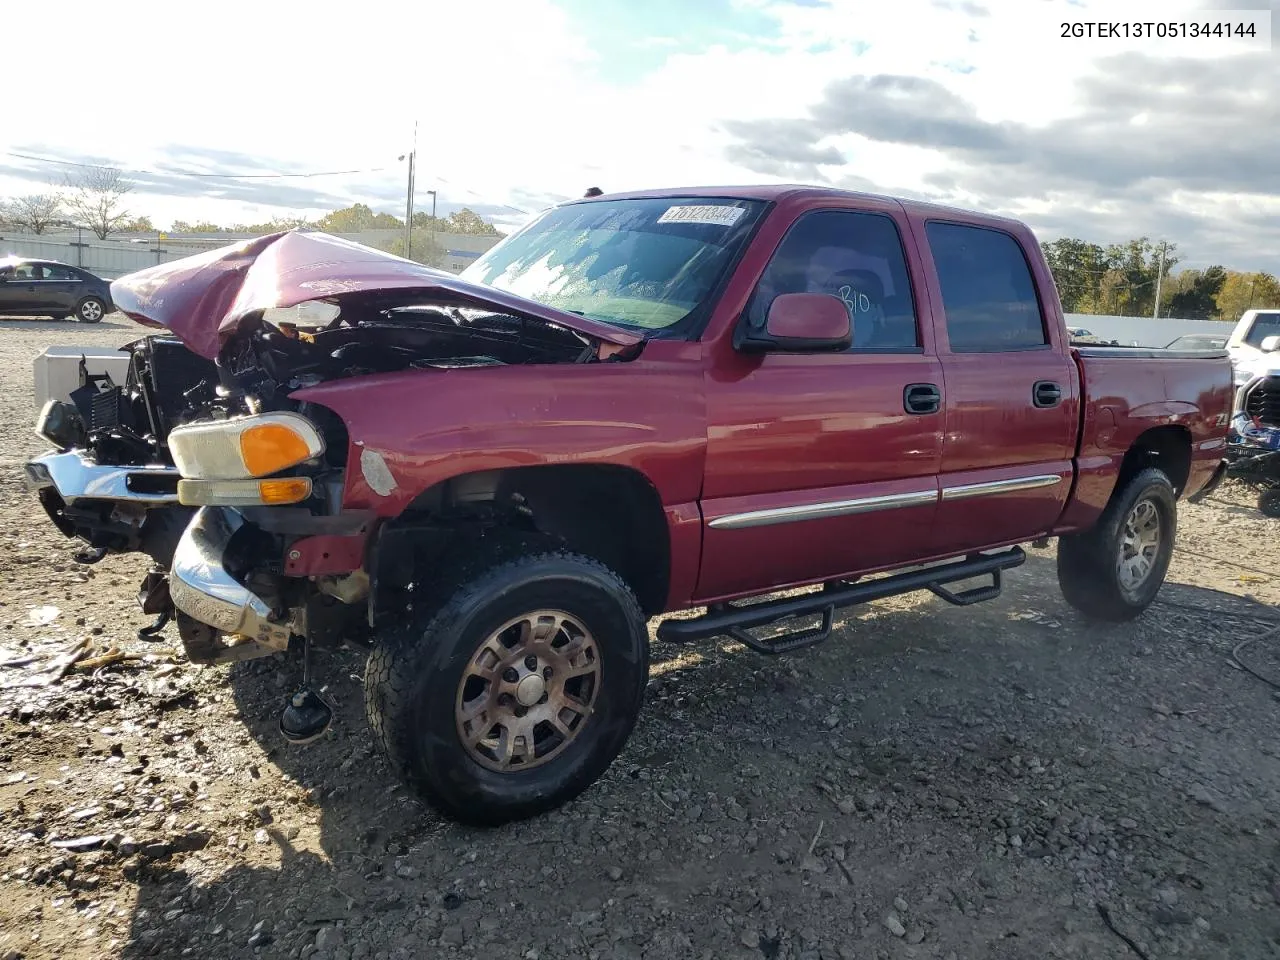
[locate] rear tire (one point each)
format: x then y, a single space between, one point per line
479 710
1269 503
90 310
1114 571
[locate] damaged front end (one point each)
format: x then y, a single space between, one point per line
203 460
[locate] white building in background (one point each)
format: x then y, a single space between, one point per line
1144 331
124 253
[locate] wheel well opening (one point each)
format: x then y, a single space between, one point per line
612 514
1168 448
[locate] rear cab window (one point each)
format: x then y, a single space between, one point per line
989 295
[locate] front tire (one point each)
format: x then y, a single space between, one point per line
90 310
517 693
1114 571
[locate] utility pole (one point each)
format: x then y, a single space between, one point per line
1159 277
433 217
408 204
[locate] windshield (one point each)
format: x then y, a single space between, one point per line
1264 325
643 264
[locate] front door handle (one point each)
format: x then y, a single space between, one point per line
919 398
1046 393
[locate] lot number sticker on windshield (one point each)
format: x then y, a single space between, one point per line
718 214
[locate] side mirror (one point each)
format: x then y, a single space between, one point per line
1270 344
803 323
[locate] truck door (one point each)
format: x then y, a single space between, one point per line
823 465
1011 386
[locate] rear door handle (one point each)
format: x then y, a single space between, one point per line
919 398
1046 393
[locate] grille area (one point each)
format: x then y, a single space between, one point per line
1262 402
105 407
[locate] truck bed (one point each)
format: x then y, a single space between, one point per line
1146 353
1129 391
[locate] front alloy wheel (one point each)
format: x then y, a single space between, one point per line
517 690
528 691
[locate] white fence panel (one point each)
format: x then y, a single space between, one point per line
105 258
1146 332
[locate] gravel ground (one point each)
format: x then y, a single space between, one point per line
932 782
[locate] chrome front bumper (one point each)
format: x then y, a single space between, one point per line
201 587
77 477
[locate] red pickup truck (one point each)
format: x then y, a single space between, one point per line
638 404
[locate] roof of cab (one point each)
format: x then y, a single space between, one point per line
778 192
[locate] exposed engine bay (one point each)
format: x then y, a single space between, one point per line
168 386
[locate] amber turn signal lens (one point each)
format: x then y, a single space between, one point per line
288 490
271 447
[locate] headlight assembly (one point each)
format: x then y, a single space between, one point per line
244 448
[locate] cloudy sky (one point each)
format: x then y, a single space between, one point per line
251 109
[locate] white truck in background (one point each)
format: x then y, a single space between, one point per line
1254 345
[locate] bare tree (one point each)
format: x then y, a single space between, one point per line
36 212
96 197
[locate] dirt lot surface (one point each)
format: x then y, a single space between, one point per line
1002 781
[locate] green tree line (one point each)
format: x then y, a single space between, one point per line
359 218
1121 280
356 218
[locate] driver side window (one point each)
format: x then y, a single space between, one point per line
855 256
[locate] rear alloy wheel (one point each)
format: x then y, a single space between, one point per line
91 310
1114 571
517 693
1139 546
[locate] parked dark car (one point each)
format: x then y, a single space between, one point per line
46 288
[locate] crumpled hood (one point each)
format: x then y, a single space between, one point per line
202 299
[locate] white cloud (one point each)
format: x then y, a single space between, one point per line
512 102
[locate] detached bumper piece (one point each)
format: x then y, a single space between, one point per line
732 620
204 591
103 504
76 477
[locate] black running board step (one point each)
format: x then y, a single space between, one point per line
732 620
